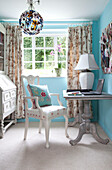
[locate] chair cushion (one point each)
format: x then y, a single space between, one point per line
53 111
42 92
48 112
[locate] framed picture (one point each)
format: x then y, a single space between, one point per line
106 49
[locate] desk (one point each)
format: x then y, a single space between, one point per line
86 127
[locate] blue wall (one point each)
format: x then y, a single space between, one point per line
105 107
58 84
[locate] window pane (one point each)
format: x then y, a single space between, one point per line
39 65
63 52
62 55
27 42
64 65
49 57
50 65
49 41
39 41
27 55
62 41
28 65
39 55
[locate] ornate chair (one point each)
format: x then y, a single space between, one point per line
44 113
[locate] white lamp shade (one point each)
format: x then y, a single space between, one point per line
87 62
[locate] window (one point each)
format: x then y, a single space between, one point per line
37 54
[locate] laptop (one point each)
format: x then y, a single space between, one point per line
98 90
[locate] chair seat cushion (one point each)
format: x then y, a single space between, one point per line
42 92
48 112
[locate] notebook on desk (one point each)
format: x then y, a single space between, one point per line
98 90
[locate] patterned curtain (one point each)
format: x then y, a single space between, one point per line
13 63
79 42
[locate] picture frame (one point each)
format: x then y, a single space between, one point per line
106 49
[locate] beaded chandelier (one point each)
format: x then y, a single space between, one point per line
31 21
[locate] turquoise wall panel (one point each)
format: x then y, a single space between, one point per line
58 84
105 107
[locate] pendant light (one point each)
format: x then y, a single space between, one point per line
31 21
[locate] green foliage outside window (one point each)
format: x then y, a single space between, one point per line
39 55
43 59
28 65
39 41
27 42
63 65
39 65
49 41
48 56
27 55
50 65
62 55
62 41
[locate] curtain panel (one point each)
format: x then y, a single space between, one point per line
79 42
13 62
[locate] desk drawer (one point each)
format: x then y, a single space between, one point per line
6 106
13 93
13 103
6 96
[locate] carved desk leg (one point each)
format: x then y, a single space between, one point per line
96 136
80 134
78 118
86 127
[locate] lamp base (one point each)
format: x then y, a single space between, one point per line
86 80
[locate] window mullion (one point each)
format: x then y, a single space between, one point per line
22 52
44 54
33 52
56 53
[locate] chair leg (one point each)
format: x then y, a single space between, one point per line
26 127
40 125
47 126
66 126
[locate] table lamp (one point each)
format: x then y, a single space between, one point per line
86 64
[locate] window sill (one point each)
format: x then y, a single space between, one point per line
43 74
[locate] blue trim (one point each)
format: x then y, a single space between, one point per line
106 130
59 119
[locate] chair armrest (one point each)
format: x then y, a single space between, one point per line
58 99
32 97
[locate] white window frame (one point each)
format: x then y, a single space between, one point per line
44 48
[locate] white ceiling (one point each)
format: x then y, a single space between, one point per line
55 9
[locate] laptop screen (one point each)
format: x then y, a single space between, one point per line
100 85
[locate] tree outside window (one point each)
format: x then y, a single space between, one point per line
38 50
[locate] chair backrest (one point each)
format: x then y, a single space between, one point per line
30 79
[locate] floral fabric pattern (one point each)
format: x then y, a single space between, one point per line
48 112
13 64
42 92
79 42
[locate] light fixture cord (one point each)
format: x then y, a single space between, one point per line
31 3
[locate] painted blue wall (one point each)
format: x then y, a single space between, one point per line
95 50
105 107
58 84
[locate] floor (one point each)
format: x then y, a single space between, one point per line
88 154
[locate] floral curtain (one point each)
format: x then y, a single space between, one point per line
13 62
79 42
